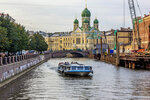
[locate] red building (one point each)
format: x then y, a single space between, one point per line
144 33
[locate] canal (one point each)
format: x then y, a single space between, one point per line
108 83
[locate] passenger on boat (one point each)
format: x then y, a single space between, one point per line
61 63
66 63
74 63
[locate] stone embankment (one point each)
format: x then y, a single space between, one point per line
15 66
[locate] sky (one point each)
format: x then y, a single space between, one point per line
58 15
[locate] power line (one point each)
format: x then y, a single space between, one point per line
124 13
139 7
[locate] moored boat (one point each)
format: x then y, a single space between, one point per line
74 69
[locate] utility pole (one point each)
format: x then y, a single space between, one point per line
101 48
117 51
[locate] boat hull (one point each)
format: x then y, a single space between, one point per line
78 73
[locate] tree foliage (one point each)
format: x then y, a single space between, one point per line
37 42
4 43
13 36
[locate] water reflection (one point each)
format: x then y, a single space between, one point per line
107 83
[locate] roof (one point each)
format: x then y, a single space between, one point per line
85 21
86 13
96 21
76 21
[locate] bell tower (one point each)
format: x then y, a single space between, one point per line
76 24
96 24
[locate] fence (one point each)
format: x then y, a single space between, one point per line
13 59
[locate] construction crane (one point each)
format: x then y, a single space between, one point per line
135 20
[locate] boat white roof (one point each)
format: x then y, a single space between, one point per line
76 64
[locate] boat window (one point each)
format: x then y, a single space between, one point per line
86 68
80 68
73 67
68 68
64 68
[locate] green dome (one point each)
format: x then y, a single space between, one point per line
86 13
85 21
76 21
95 21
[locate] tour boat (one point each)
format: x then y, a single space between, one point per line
74 69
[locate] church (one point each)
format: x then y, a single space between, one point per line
83 37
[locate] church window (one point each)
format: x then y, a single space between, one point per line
77 40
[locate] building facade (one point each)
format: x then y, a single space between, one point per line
124 37
144 33
83 37
7 16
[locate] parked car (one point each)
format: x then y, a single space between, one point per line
133 51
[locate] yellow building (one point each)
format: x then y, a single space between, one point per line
111 40
84 37
124 36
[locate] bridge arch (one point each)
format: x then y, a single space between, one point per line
77 54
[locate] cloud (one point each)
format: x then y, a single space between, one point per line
58 15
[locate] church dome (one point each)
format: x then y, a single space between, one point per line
85 21
95 21
76 21
86 13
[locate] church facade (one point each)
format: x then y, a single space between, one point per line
83 37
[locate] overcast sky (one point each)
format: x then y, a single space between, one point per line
58 15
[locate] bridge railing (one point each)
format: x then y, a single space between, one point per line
13 59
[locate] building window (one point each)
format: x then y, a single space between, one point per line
77 40
97 41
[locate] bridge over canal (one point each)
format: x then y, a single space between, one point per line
61 54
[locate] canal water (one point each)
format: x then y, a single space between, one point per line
107 83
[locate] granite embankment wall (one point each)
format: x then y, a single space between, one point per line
10 67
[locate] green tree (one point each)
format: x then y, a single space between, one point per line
15 34
4 43
23 38
37 42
